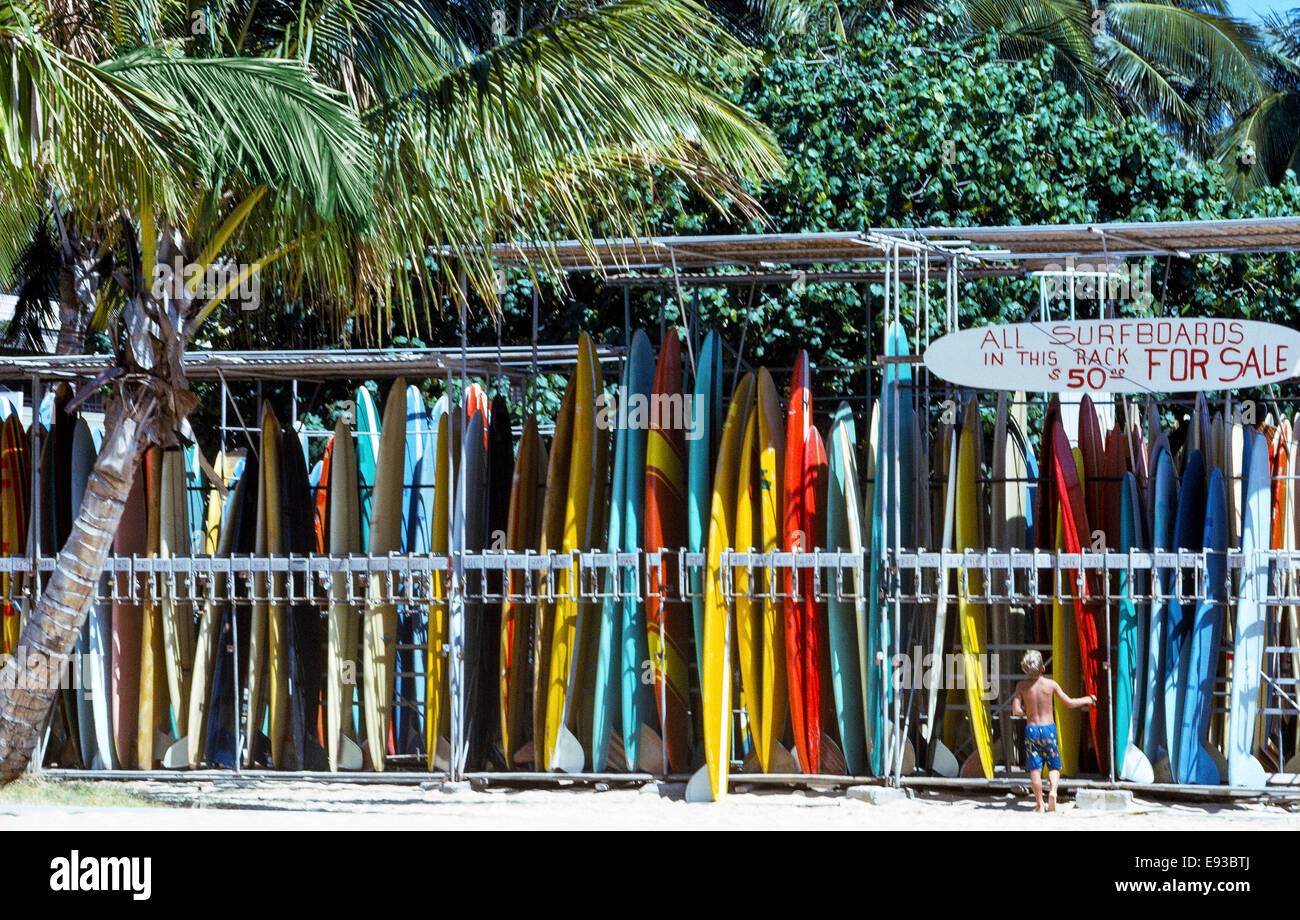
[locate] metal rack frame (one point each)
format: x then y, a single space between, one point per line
914 260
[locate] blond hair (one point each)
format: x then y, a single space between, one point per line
1032 662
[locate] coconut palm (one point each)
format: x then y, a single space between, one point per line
329 148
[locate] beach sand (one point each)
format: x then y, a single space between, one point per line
294 805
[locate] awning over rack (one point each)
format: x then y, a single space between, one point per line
1000 250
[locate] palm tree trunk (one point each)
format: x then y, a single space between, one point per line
29 681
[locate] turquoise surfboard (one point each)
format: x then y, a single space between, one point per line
1131 652
367 431
701 442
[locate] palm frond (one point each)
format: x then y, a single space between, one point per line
267 121
1262 144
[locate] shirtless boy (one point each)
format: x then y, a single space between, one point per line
1033 700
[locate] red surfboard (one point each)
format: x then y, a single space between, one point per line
802 646
668 615
1088 612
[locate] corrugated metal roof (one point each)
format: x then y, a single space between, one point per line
1029 246
367 363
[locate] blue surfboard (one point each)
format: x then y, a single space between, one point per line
1164 504
700 445
1189 531
1248 637
1194 763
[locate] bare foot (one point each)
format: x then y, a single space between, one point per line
1051 800
1038 809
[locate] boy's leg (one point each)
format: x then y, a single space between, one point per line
1036 780
1053 776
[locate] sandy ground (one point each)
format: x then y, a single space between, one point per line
260 805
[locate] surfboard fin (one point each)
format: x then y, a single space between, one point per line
349 754
568 756
783 760
1247 773
524 754
698 788
1292 765
177 755
442 754
1136 768
1205 772
945 762
650 752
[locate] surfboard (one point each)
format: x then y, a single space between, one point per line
500 480
303 747
267 676
380 620
1194 763
366 424
803 630
1248 637
608 685
938 757
1089 611
93 700
14 486
223 707
523 533
208 639
465 611
716 677
176 539
570 635
892 512
341 658
1131 651
1164 498
153 729
1189 528
969 534
637 696
408 708
558 469
437 717
701 447
847 600
668 615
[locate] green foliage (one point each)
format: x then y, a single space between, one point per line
903 127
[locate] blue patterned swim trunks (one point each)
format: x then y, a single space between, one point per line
1041 748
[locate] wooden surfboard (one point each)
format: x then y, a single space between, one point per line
668 615
380 621
344 540
523 532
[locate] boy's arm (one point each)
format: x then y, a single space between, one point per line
1073 702
1017 705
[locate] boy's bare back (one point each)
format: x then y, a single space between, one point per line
1036 695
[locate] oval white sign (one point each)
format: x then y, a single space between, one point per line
1160 355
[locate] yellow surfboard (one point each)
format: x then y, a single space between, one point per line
971 511
716 679
380 630
1066 667
760 628
568 637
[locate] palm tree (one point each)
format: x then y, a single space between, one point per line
325 147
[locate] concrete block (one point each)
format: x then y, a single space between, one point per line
1103 799
877 795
